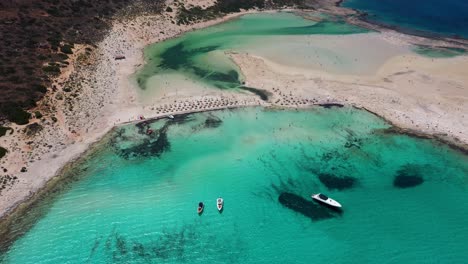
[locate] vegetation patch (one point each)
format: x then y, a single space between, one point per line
67 49
15 113
32 33
7 181
4 130
3 152
33 129
155 146
51 69
38 114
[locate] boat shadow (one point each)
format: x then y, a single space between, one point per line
313 210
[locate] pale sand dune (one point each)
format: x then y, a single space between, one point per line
410 91
341 54
413 92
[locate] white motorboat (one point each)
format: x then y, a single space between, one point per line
220 204
326 200
170 116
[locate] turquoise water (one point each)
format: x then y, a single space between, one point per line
439 52
404 198
199 55
447 18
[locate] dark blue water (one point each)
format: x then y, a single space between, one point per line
446 18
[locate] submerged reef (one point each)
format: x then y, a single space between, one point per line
439 52
181 244
180 57
212 122
148 142
153 145
407 177
333 182
352 140
310 209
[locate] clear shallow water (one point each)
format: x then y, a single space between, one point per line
136 202
440 52
449 17
197 58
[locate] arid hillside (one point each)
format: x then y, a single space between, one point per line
37 36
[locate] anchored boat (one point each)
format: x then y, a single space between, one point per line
201 206
326 200
220 203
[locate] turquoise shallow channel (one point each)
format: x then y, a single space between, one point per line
199 55
405 199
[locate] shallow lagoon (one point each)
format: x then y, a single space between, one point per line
197 60
137 197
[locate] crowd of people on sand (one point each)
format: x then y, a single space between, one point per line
198 105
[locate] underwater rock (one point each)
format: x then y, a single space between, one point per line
178 244
213 122
149 147
352 140
307 208
407 177
142 127
407 181
333 182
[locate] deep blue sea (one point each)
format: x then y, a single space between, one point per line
447 18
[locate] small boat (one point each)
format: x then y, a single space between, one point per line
170 116
220 204
326 200
201 206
